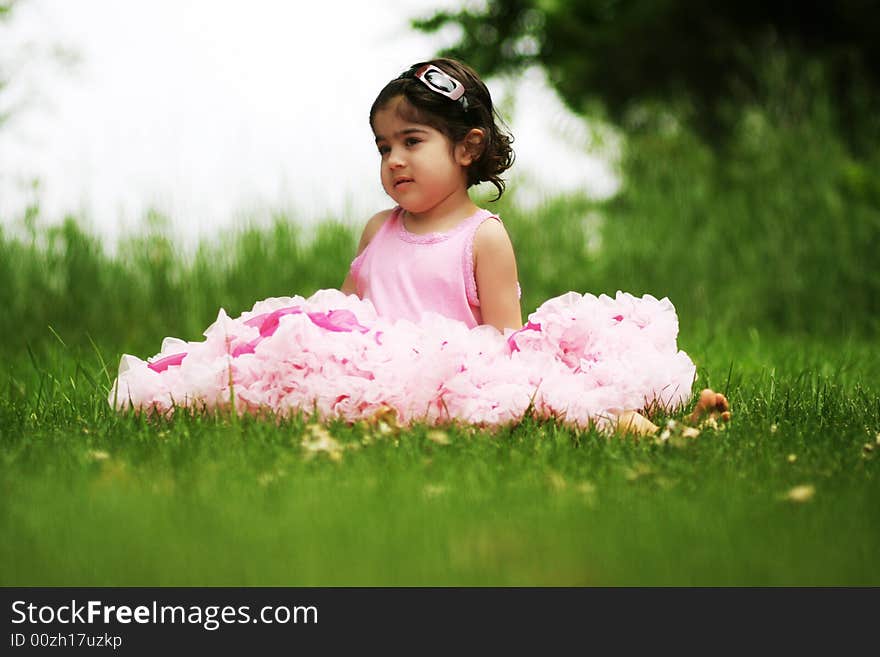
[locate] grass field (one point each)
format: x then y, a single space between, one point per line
767 250
786 495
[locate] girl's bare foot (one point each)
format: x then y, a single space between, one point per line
632 422
711 407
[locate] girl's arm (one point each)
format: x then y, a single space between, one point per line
372 227
495 272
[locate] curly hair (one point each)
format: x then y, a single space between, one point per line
455 119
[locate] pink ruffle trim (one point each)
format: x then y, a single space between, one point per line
578 357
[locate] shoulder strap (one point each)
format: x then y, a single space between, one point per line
470 280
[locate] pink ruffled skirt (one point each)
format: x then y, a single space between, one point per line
578 359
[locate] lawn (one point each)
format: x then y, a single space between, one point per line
785 495
767 248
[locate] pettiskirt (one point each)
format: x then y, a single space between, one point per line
579 359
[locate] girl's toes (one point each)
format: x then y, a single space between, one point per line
711 406
707 399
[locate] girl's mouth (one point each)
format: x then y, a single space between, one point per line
401 181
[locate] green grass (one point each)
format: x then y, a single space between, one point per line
92 498
767 248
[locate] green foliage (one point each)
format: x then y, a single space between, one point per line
751 141
699 57
777 232
769 229
61 277
779 229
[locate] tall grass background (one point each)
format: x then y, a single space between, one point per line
778 230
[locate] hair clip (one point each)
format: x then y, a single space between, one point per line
441 82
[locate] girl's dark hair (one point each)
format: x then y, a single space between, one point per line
452 118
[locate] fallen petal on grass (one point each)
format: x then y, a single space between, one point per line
666 483
113 473
318 440
433 490
802 493
638 471
556 481
439 437
385 419
586 488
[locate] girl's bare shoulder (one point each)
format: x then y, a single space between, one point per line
491 238
372 227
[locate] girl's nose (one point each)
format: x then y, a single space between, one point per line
395 158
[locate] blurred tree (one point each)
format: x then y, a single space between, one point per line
700 57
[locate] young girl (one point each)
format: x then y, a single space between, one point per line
428 321
436 133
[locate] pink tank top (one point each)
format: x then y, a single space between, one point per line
405 274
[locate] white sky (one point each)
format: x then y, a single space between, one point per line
215 112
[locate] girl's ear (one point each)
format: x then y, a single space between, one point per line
470 148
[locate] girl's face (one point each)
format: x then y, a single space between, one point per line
421 168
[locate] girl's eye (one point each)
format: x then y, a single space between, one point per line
412 141
383 150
